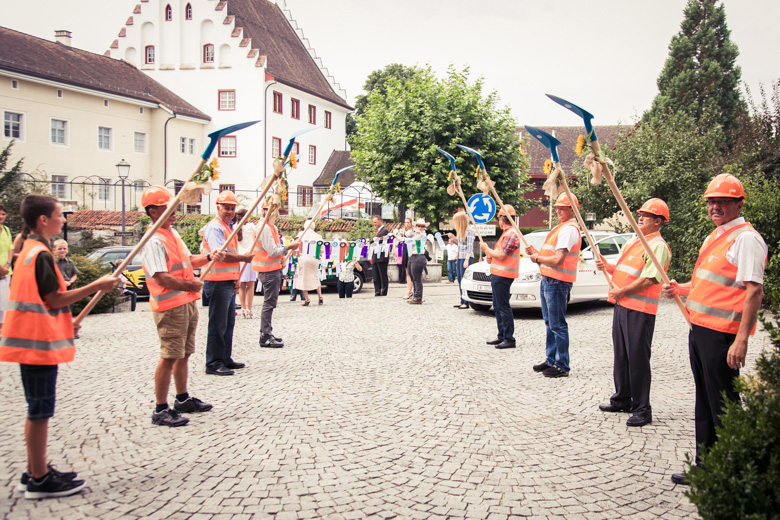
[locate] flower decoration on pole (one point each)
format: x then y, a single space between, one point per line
201 183
547 167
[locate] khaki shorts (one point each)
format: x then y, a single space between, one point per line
176 328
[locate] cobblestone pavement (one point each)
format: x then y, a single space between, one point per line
374 409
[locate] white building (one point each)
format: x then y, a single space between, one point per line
242 60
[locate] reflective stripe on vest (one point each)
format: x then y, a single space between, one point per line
179 266
32 333
223 270
261 261
509 267
716 299
629 268
566 272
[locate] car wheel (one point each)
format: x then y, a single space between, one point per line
478 307
358 283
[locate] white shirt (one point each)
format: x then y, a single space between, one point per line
248 234
452 251
154 256
748 253
568 236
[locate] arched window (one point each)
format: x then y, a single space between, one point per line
188 12
168 13
149 54
208 53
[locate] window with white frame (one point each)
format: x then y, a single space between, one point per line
192 146
59 132
297 149
227 99
13 125
312 114
276 147
104 138
227 146
208 53
312 154
168 13
328 119
188 12
139 142
58 186
103 189
295 108
149 54
140 186
305 196
278 103
183 144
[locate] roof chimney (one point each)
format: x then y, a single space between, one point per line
63 37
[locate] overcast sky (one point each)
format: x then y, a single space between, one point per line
604 55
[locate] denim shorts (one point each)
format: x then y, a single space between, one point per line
40 384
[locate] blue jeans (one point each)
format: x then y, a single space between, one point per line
554 297
452 270
222 319
504 318
345 288
460 269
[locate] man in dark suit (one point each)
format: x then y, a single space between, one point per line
379 261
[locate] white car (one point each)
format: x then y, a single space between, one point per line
524 293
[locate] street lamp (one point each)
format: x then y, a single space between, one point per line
123 170
590 218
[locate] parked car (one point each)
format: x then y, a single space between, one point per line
524 292
113 256
350 214
361 278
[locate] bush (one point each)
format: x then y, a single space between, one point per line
87 243
362 229
90 271
742 476
188 229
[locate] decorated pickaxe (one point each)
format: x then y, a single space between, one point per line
457 187
486 180
276 179
594 143
214 138
551 143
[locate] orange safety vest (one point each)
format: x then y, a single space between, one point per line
509 267
179 266
223 270
628 269
262 262
567 272
716 299
34 334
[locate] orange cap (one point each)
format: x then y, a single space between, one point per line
227 197
656 207
156 196
507 209
725 185
563 201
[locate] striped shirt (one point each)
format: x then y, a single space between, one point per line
154 256
510 243
466 246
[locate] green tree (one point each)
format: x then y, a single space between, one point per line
395 148
377 82
700 77
12 190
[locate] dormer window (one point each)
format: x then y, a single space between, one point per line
168 13
149 54
188 12
208 53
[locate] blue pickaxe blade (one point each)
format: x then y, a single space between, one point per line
448 156
474 153
336 177
214 137
584 114
550 142
296 134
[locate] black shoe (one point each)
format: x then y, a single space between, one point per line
67 475
277 339
191 405
234 365
541 367
494 341
52 485
506 344
169 417
681 479
636 420
270 342
414 301
220 371
554 371
612 408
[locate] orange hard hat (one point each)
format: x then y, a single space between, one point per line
227 197
507 209
725 185
656 207
563 201
156 196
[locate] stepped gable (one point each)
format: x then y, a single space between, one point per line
289 61
25 54
338 159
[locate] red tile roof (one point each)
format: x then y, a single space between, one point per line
567 135
25 54
338 159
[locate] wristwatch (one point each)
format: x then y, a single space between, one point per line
208 257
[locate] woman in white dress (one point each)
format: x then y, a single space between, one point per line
308 276
246 286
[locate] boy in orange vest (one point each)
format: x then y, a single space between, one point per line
38 334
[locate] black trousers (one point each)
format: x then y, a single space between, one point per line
632 336
417 264
380 277
712 375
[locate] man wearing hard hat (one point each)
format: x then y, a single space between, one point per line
221 286
724 295
558 265
636 290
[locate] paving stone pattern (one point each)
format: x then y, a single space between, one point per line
374 409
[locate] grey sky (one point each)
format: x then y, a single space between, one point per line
604 55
